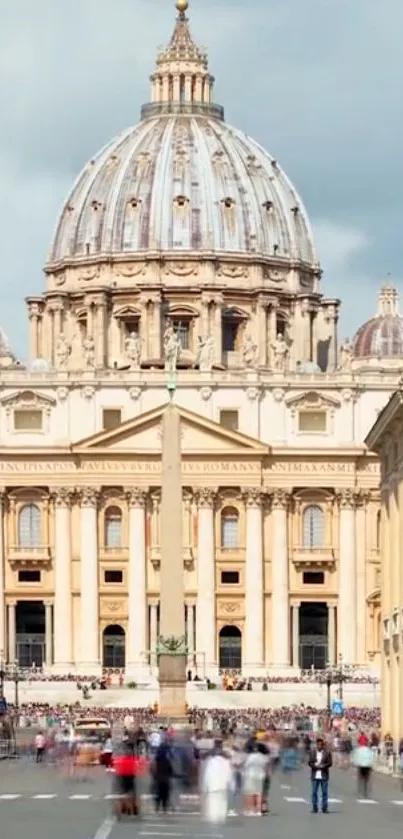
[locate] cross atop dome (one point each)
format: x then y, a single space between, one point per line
182 82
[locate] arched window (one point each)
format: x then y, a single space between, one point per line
113 527
313 527
229 528
29 526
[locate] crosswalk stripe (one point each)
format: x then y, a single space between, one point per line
399 803
335 801
295 800
43 797
80 797
366 801
10 796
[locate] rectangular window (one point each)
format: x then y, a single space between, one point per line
229 578
26 420
229 419
313 578
312 422
29 576
113 576
111 418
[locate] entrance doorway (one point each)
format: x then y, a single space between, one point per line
313 638
114 647
30 634
230 648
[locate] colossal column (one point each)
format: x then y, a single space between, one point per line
347 611
89 588
63 641
254 593
205 609
362 500
48 634
2 577
280 597
137 607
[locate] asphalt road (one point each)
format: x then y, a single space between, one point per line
38 803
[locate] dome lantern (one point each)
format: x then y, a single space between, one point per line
181 83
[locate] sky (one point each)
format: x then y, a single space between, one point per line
318 83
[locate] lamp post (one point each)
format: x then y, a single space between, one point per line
340 676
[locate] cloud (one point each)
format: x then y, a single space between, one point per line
317 83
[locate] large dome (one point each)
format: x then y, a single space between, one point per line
183 183
182 180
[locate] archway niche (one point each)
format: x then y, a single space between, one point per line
30 633
230 648
114 647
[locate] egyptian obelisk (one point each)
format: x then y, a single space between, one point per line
172 653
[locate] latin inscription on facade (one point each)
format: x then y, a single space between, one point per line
130 466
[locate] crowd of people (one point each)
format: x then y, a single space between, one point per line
228 679
48 715
230 768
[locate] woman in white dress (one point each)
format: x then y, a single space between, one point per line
217 786
254 773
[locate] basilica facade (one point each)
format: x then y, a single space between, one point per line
183 249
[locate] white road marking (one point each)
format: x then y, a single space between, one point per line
399 803
284 786
105 829
158 833
112 797
79 797
43 797
10 796
335 801
295 800
366 801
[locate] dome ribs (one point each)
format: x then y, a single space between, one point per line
207 162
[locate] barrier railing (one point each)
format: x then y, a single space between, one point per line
7 749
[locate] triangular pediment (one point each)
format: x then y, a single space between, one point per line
143 434
312 400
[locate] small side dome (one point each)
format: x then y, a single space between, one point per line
7 357
382 336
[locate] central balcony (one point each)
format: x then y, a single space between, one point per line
313 558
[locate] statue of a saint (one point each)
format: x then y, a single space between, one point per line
346 356
89 351
249 351
62 351
172 349
280 352
205 356
133 350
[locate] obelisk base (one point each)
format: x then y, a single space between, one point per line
172 685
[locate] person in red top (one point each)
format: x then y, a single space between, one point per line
363 740
126 769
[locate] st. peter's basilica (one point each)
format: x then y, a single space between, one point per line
183 245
